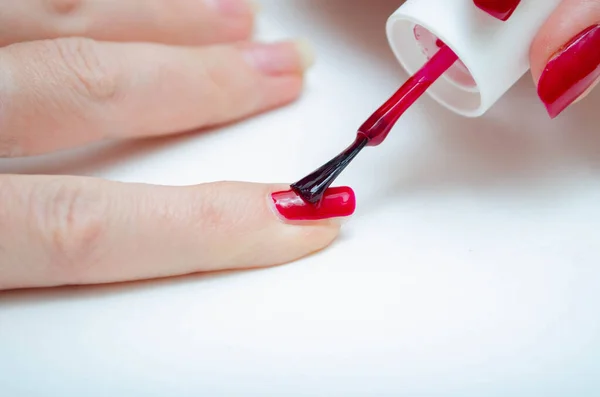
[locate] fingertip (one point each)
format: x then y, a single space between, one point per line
262 237
236 18
255 5
279 58
306 53
280 70
572 70
539 54
321 237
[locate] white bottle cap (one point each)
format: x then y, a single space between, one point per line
493 54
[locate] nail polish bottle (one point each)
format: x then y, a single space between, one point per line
493 54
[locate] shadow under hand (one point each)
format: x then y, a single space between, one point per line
27 297
94 159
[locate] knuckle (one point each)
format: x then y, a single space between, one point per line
73 221
92 75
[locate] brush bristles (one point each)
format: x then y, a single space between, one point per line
312 187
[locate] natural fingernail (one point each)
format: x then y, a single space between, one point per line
280 58
338 202
255 5
501 9
235 7
571 72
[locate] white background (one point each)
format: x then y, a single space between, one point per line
470 269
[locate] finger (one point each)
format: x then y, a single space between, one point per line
184 22
70 230
67 92
500 9
565 55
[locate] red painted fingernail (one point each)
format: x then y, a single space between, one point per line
337 202
571 71
501 9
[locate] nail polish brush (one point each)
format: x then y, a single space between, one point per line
377 127
460 56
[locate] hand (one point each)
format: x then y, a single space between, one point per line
565 55
158 67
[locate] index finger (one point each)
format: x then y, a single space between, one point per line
73 230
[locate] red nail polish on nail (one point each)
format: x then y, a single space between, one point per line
501 9
337 202
571 72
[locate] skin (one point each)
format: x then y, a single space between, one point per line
70 79
570 18
75 72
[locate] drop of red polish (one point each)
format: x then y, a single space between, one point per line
337 202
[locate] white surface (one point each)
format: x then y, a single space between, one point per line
494 52
470 269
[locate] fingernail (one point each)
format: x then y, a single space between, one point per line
338 202
235 7
255 5
571 72
588 91
501 9
280 58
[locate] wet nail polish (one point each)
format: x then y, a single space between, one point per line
501 9
337 202
280 58
569 74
